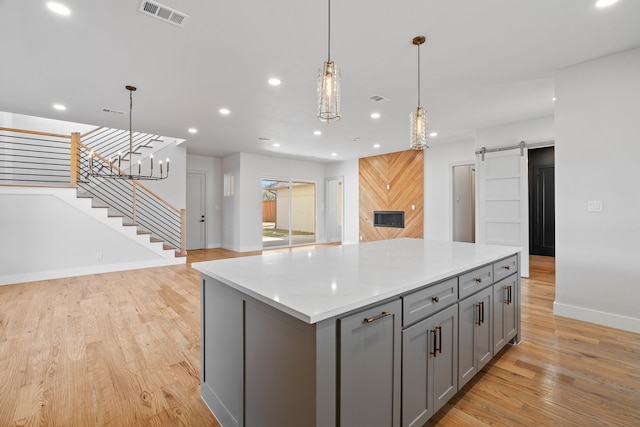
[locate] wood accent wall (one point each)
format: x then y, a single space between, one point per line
404 173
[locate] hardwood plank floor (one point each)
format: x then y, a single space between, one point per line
123 349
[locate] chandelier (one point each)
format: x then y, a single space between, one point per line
329 85
418 118
111 167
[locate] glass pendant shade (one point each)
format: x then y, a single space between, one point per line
419 131
329 92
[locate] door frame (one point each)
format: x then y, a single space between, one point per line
340 179
315 211
452 201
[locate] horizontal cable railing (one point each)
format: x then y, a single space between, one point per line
34 158
111 142
131 199
47 159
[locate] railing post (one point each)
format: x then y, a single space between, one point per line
183 232
74 171
134 204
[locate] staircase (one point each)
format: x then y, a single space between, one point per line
52 170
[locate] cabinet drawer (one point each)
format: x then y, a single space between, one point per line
505 267
475 280
425 302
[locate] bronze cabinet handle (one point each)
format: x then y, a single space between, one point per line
478 279
435 299
435 348
379 316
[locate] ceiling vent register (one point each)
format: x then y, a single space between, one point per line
163 12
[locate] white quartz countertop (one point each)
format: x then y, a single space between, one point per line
317 284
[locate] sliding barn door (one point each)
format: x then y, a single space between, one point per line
503 202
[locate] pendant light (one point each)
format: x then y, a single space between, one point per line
329 85
418 118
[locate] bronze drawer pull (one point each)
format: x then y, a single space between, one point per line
478 279
435 344
506 267
435 299
379 316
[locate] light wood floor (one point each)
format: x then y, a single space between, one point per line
122 349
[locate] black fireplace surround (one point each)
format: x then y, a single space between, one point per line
388 219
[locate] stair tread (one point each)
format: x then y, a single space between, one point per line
143 232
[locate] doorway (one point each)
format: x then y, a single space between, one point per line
196 210
464 203
333 209
542 202
288 212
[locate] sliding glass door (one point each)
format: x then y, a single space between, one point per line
288 212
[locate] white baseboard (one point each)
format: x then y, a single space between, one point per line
611 320
84 271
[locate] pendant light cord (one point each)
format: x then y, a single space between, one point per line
130 123
418 75
329 33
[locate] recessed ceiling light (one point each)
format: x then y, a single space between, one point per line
317 133
376 145
193 130
605 3
433 134
334 154
276 145
274 81
225 111
554 99
375 115
58 8
59 107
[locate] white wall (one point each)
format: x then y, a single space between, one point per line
20 121
597 153
172 189
48 233
348 170
212 168
231 204
534 130
242 213
438 163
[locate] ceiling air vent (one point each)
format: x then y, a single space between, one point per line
111 110
163 12
379 99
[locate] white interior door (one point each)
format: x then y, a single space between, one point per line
503 202
464 200
333 210
196 213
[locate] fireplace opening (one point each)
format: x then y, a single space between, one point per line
388 219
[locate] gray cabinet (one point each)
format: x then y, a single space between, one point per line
429 366
505 312
369 369
475 344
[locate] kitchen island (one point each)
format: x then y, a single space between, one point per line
380 333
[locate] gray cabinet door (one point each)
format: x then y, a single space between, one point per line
445 363
475 343
504 313
370 367
429 366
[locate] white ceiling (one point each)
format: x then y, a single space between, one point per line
485 63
